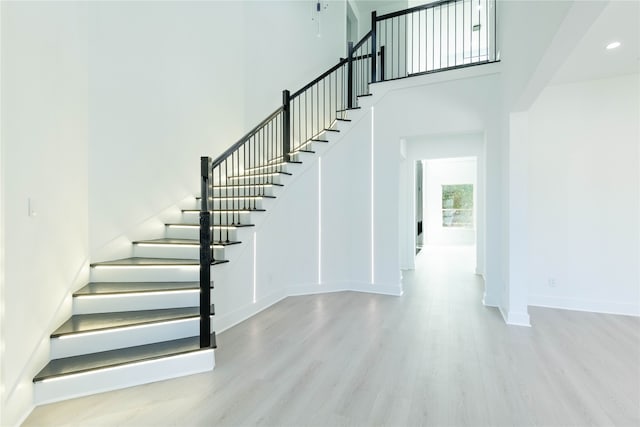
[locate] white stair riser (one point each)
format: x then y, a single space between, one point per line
247 191
98 381
237 203
275 166
194 233
301 157
174 252
273 179
135 301
111 339
218 218
145 274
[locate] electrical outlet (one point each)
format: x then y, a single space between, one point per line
552 282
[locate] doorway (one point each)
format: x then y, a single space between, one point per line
419 207
451 208
449 201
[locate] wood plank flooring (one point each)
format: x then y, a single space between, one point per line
434 356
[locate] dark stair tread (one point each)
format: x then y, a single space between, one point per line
119 357
331 130
301 151
167 241
111 288
239 196
213 226
79 323
254 175
264 184
275 164
319 140
218 211
348 109
366 94
343 120
148 262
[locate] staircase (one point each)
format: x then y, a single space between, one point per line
146 318
137 321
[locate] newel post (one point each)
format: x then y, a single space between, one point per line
374 49
205 253
286 125
350 75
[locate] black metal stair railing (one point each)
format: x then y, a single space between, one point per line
438 36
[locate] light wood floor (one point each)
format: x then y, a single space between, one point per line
435 356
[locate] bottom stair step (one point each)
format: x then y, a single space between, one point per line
105 359
110 370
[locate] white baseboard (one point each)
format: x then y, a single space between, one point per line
578 304
21 405
489 300
21 393
223 321
515 318
321 288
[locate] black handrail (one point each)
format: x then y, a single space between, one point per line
244 139
362 41
319 78
238 178
414 9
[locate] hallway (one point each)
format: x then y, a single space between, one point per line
434 356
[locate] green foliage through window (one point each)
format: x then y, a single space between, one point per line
457 205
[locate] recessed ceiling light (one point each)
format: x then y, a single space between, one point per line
613 45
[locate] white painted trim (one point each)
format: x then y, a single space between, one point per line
329 287
515 318
578 304
488 299
128 375
21 394
223 321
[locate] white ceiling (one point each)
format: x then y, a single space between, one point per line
619 21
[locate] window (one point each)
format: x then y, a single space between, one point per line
457 206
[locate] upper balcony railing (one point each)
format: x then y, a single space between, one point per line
438 36
435 37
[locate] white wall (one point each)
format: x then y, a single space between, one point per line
364 8
584 195
447 172
44 158
171 81
282 49
164 90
